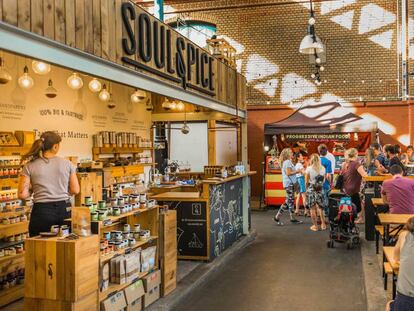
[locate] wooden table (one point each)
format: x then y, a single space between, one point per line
388 252
377 201
387 219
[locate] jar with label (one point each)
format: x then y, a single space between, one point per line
101 216
88 200
137 228
6 221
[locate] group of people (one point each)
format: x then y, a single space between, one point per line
313 180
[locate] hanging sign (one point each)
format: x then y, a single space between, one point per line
152 48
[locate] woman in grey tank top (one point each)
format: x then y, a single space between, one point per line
404 253
51 180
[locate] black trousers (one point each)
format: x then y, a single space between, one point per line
45 215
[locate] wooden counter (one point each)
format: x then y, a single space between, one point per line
217 180
174 196
211 221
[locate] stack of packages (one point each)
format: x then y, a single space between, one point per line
125 269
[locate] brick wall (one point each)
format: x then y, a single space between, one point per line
361 41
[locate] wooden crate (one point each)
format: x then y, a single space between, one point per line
61 270
88 303
168 251
90 185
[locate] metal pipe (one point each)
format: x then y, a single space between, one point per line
404 38
159 9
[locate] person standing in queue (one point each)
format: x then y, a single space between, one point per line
51 180
289 181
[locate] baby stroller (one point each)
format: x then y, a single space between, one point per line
342 228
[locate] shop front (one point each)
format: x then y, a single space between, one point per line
100 74
304 134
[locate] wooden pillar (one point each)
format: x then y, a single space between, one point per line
211 142
243 143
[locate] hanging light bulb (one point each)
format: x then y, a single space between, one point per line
167 104
317 60
5 76
361 99
321 68
311 21
104 94
313 76
149 106
26 81
185 129
180 105
111 103
74 81
50 91
41 68
135 98
138 96
95 85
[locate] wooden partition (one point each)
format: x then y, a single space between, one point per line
98 27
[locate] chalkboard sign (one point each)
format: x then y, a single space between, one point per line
191 228
226 215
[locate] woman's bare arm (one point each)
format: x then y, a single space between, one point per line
74 187
24 187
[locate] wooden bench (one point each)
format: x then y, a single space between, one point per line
379 231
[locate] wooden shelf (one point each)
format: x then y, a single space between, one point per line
7 259
116 219
17 224
12 294
119 150
105 258
117 287
9 200
9 244
13 229
24 209
9 182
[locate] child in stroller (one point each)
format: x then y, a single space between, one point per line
342 228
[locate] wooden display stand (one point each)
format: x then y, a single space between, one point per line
90 185
168 251
148 219
62 274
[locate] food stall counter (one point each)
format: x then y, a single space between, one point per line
211 221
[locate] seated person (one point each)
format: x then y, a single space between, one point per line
404 254
398 192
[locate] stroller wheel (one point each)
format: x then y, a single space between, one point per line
330 244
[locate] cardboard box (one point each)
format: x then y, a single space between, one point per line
134 294
115 302
152 284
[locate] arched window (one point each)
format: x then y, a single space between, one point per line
196 31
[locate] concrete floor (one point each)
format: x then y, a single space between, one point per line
285 268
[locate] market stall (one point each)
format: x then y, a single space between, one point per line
303 131
83 75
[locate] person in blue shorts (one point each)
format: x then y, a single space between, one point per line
298 161
327 164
